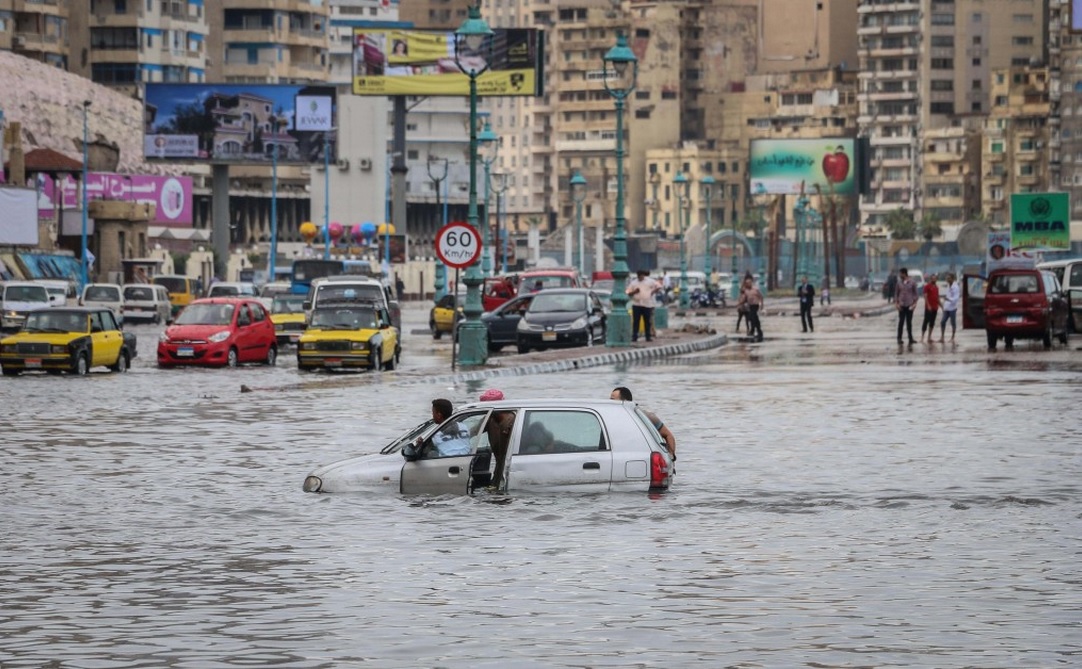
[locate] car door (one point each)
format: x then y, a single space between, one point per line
105 339
1072 290
597 316
262 331
973 289
436 474
245 334
503 325
560 450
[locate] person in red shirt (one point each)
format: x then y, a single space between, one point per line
931 306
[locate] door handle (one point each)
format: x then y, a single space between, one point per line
456 470
591 465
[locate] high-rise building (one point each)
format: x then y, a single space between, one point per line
268 41
37 30
123 45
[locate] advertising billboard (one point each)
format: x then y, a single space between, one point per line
1076 16
238 123
171 196
1041 221
418 62
784 166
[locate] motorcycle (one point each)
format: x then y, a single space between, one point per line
707 298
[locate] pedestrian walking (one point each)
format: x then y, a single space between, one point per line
399 287
824 290
643 290
905 299
950 306
806 292
753 299
931 308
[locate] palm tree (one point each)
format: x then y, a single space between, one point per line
901 224
929 227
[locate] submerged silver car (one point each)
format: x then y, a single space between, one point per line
551 445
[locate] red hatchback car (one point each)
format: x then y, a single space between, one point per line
219 331
1024 304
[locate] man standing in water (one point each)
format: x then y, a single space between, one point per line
806 293
905 300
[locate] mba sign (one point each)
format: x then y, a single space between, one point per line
1041 221
314 113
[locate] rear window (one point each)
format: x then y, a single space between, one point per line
172 284
139 293
26 294
1014 283
102 294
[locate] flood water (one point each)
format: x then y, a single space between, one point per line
829 510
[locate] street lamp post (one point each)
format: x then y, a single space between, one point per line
274 202
488 144
499 186
661 311
682 190
85 175
707 184
471 36
617 60
578 195
326 196
436 177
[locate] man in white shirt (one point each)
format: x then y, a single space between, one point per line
642 290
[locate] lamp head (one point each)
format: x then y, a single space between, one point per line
707 183
578 186
620 56
474 32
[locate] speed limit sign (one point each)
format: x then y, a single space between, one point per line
458 245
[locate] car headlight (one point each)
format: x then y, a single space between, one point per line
11 313
9 348
58 349
579 324
307 346
219 337
164 338
358 345
525 326
278 327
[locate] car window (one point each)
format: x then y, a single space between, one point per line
457 436
1014 283
562 431
95 322
102 294
26 294
108 321
257 312
243 317
140 293
548 303
446 302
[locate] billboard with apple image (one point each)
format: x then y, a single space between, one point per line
785 166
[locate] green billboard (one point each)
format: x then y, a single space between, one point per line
1041 221
785 166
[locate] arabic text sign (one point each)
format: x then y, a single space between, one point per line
785 165
172 196
1041 221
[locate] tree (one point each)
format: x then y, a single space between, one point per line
901 224
929 227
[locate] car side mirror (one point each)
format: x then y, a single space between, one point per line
306 305
411 452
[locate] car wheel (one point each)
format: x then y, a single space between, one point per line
377 360
11 372
991 340
157 319
391 364
231 358
272 356
122 361
436 334
82 365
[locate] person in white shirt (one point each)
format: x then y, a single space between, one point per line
642 290
950 306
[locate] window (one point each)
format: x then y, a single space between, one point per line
545 432
943 40
942 108
976 62
1023 18
997 147
942 85
942 63
642 113
1022 41
942 19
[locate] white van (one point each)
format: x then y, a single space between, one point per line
1069 273
147 302
352 288
109 295
63 291
17 299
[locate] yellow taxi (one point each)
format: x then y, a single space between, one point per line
287 314
349 335
68 339
444 315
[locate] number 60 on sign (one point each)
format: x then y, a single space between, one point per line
458 245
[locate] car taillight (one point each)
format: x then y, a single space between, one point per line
659 471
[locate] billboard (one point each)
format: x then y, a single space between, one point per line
1040 221
19 224
1076 16
171 196
238 123
785 166
418 62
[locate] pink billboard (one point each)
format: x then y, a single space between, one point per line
172 196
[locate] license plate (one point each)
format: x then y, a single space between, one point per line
1014 319
548 336
32 363
185 352
294 338
332 362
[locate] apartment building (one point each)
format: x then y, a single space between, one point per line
37 30
926 64
1017 150
124 44
268 41
952 169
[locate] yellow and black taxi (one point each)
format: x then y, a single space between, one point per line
68 339
445 313
287 314
349 335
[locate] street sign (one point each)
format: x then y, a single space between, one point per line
458 245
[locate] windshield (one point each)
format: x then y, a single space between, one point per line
139 293
206 314
26 294
222 290
546 282
306 270
1014 283
548 303
345 318
272 289
102 294
408 437
328 292
51 320
172 284
287 304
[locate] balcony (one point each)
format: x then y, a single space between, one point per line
253 35
599 145
46 7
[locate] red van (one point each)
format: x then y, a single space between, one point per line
498 289
1024 304
550 277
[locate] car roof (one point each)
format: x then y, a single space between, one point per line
225 300
233 283
547 403
566 291
339 304
1052 264
347 278
78 310
111 285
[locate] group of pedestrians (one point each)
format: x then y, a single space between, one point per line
906 296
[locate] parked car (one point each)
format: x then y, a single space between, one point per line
502 322
287 314
233 289
219 331
1069 274
1024 304
349 335
549 277
147 302
68 339
109 295
64 292
497 290
360 289
562 317
574 446
444 315
182 289
20 298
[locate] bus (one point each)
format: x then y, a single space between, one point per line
306 269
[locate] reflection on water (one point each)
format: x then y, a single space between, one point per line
851 514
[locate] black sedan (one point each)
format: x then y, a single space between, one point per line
502 322
562 317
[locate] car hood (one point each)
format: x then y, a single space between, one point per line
44 337
362 472
554 317
363 334
288 318
193 331
15 305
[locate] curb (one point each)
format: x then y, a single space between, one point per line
566 364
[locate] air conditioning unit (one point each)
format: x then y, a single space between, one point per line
19 42
365 164
343 163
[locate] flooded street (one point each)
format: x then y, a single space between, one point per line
838 503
